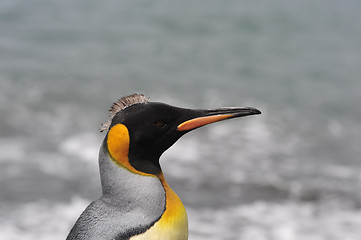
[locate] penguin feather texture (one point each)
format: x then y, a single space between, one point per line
121 104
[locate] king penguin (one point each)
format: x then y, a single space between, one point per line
137 202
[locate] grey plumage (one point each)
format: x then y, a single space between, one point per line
124 208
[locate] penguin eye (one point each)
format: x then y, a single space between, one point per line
160 124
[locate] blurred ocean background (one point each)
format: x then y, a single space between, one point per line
292 173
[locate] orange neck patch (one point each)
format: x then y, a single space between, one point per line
118 146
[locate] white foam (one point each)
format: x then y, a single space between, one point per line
84 146
268 221
41 220
335 128
12 149
338 171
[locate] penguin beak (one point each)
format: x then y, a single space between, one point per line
210 116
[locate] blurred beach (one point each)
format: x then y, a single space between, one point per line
292 173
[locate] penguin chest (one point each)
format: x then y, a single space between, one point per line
172 225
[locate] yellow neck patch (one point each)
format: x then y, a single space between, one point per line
118 147
174 221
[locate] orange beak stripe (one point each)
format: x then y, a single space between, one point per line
201 121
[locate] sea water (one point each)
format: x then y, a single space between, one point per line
292 173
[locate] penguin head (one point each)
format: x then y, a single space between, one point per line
140 131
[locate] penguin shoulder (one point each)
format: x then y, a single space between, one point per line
104 220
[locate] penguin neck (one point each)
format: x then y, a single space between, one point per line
122 186
148 194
